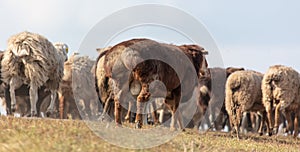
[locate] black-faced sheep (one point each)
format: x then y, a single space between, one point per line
281 92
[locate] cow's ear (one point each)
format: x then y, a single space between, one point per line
204 52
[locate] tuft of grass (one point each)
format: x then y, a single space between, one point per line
34 134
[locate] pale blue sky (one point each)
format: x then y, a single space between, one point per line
253 34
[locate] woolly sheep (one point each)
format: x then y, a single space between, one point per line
281 92
32 60
75 89
243 94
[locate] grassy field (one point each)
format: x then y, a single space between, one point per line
21 134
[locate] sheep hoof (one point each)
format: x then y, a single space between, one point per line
260 133
33 114
13 107
27 115
138 125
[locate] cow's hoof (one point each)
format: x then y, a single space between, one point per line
118 125
101 118
48 113
172 129
138 125
275 131
270 134
157 124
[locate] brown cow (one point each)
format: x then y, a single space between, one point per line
125 64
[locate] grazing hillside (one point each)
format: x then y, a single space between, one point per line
27 134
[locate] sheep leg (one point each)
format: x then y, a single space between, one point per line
270 121
13 86
50 109
261 123
288 118
61 105
33 95
277 118
296 123
7 100
265 118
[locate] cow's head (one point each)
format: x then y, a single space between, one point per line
198 57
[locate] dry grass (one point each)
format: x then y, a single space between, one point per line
20 134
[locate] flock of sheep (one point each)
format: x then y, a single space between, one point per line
38 78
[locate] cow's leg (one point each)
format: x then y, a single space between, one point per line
127 117
118 108
161 115
176 116
173 120
33 95
154 113
50 109
139 113
140 104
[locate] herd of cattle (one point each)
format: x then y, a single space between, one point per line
38 79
